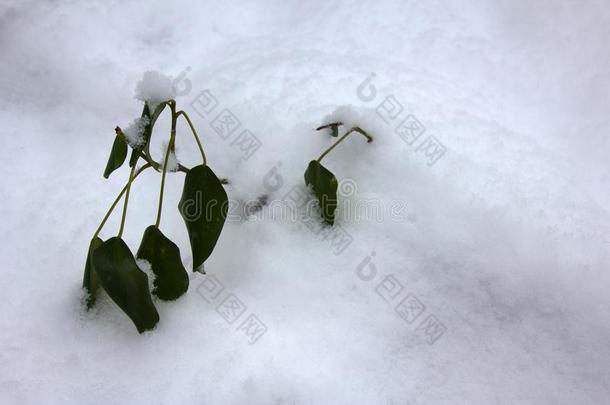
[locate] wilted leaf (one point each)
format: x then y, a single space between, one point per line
152 118
334 131
125 283
334 128
135 153
171 278
90 282
203 206
117 155
324 185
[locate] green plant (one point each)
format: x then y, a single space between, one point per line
203 206
322 180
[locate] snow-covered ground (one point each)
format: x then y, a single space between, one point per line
500 248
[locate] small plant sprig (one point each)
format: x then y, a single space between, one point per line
203 206
322 180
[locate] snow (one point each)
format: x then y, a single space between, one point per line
346 114
146 267
155 87
172 159
134 132
503 238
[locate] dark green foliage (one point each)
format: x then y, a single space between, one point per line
203 206
323 182
171 278
135 153
324 185
90 282
124 282
334 128
117 155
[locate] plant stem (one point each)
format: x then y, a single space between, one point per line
131 173
172 138
156 165
354 129
185 115
118 198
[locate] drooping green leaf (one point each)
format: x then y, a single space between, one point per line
152 119
149 128
171 278
324 185
135 153
117 155
90 282
334 131
203 206
124 282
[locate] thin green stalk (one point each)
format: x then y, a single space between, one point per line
354 129
118 198
170 146
185 115
126 202
156 165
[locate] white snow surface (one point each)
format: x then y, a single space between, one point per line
505 239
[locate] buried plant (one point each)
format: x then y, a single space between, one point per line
322 180
203 206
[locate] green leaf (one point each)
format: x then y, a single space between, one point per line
334 130
117 155
135 153
125 283
90 282
203 206
171 278
324 185
152 119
